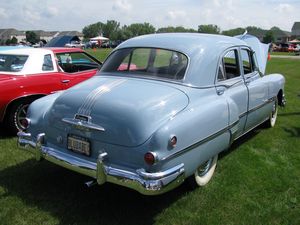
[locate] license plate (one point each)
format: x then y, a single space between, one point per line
79 144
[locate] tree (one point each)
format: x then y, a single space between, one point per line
234 32
93 30
137 29
32 37
209 28
269 37
14 40
175 29
110 29
7 42
275 29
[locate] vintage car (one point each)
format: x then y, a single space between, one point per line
151 126
27 74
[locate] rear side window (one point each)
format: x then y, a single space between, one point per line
48 63
72 62
12 63
229 66
247 62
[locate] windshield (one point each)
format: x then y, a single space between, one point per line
12 63
150 62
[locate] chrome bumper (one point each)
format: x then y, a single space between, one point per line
139 180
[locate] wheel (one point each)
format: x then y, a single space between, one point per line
273 115
204 172
16 116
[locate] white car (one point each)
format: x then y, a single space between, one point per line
75 44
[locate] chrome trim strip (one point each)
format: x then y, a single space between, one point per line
197 144
86 107
139 180
83 125
262 105
257 107
158 175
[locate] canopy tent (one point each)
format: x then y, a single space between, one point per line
295 41
99 38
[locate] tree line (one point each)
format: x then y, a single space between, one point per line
112 30
115 32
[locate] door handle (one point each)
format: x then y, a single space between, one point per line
247 80
65 81
221 90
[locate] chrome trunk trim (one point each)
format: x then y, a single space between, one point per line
82 125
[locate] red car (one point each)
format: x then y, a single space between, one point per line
27 74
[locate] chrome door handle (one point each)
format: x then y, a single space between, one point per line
220 90
65 81
247 80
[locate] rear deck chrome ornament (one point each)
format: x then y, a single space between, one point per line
83 122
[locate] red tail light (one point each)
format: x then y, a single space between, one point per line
173 141
150 158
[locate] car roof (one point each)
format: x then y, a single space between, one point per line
29 50
34 61
184 42
25 51
62 49
203 51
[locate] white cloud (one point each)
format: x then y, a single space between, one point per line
284 8
30 14
121 5
3 13
75 14
51 11
176 14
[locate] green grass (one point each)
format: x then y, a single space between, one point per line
99 54
256 182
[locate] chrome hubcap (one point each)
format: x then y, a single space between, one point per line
21 116
204 168
274 112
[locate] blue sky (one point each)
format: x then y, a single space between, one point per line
75 14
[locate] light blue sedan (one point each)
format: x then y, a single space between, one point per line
160 111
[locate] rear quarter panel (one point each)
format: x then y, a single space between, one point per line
206 115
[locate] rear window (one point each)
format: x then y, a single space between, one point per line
12 63
149 62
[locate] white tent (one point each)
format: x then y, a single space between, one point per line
99 38
295 41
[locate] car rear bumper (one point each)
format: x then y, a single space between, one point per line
139 180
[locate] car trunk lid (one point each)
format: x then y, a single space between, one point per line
122 111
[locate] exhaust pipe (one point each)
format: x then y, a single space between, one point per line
90 183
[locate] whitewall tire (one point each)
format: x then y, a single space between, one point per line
204 172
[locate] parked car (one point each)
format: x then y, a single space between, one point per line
75 44
151 126
282 47
27 74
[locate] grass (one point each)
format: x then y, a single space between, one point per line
99 54
256 182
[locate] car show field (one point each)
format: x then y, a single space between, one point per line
256 182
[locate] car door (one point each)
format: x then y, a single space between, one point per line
75 67
230 85
258 109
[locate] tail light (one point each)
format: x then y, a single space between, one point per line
150 158
173 141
